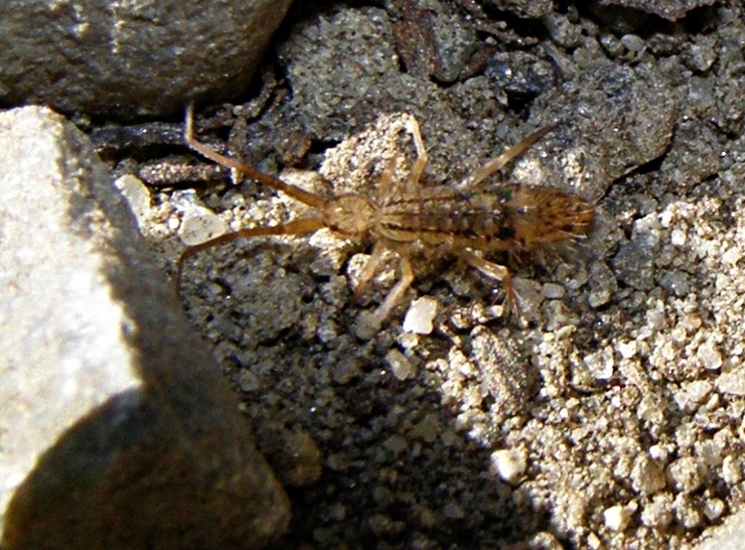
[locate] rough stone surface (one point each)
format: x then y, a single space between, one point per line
524 8
611 120
619 390
728 536
327 82
131 59
118 429
669 9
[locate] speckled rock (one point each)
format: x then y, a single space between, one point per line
343 69
610 121
118 429
633 349
128 59
727 536
669 9
524 8
504 375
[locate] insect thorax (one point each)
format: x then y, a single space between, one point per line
349 215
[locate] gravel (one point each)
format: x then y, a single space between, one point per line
610 415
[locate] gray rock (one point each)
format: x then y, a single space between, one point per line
633 264
727 536
118 429
131 59
669 9
520 74
611 120
524 8
327 80
505 375
343 73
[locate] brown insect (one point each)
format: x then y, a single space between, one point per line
405 217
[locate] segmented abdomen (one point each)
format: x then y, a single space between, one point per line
500 218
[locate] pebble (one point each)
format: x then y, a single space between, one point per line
200 224
658 513
732 383
400 365
646 476
686 474
709 356
616 518
552 291
508 464
420 316
601 363
137 195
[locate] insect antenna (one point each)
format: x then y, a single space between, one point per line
296 227
305 197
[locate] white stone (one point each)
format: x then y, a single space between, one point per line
420 315
616 518
399 364
508 464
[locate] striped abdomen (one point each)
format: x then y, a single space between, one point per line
500 218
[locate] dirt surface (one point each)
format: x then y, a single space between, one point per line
610 415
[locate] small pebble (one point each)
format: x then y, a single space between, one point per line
420 315
552 291
601 363
399 364
732 383
616 518
396 444
137 195
675 282
678 237
686 474
713 508
633 42
627 349
508 464
709 356
646 476
453 511
200 224
731 472
344 372
658 513
732 255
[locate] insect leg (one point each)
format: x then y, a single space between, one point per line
369 269
296 227
368 323
395 294
494 271
385 186
421 160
